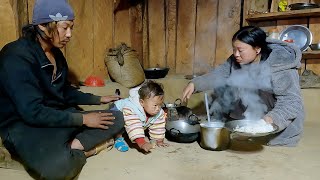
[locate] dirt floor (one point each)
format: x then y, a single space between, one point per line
244 160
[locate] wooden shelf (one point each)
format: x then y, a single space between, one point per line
284 15
311 55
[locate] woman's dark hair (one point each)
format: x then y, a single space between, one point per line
150 89
255 37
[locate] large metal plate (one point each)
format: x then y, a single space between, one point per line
298 6
301 36
231 125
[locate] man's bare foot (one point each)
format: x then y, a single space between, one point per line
105 145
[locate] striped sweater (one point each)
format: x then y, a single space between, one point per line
136 120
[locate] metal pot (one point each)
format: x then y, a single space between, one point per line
183 130
176 110
315 46
214 136
156 73
189 125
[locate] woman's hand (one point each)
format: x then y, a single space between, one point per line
187 92
268 119
107 99
98 120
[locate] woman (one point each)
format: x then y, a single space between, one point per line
39 122
279 91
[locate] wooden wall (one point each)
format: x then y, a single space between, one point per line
188 36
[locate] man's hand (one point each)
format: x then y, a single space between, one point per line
98 120
107 99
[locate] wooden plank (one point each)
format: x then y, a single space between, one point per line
156 33
206 30
186 36
22 14
145 35
274 6
171 34
79 51
14 8
30 9
246 7
311 55
228 24
136 21
259 5
103 32
122 24
8 27
285 15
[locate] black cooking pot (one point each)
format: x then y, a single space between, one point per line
156 73
177 136
183 130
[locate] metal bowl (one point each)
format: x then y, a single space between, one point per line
231 125
315 47
301 36
156 73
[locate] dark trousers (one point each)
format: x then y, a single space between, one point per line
46 152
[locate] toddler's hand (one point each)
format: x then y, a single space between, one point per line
146 147
160 143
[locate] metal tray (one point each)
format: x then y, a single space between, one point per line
299 6
301 36
231 125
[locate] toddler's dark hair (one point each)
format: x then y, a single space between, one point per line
150 89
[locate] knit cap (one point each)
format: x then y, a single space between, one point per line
45 11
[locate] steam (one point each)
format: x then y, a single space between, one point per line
242 87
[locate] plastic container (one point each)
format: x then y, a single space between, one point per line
94 81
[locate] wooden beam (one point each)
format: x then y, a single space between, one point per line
157 39
228 24
136 28
102 38
22 14
80 50
171 34
186 36
145 35
206 31
8 27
